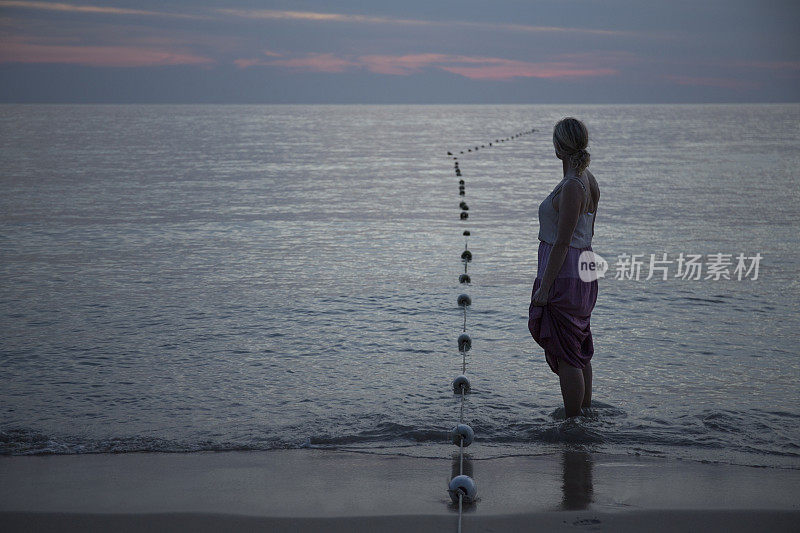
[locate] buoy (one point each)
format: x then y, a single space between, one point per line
465 487
462 432
464 278
464 215
461 383
464 299
466 255
464 342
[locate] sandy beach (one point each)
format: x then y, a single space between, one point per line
319 490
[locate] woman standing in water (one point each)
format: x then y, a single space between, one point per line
561 302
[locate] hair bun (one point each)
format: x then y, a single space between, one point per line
580 160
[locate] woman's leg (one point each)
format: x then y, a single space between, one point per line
572 388
587 385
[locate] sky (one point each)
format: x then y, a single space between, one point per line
415 51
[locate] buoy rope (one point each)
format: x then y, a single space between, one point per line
460 510
461 415
461 463
463 349
465 345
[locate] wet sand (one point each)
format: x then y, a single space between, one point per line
318 490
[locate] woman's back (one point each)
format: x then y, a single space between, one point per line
584 229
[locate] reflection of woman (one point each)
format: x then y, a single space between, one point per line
576 487
561 302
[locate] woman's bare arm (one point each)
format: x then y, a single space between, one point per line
570 202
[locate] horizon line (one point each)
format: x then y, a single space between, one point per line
774 102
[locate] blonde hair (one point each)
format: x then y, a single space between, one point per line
571 138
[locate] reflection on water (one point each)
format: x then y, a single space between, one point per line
456 468
576 484
467 468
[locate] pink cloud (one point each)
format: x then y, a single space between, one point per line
493 68
311 16
273 14
511 71
400 65
95 56
59 6
311 62
245 63
473 67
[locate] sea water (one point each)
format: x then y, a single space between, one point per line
179 278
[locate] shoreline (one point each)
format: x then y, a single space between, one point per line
326 490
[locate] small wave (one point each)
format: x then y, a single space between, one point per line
20 441
751 437
570 432
703 301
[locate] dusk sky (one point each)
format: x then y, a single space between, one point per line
310 51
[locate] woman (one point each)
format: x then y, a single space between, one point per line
561 302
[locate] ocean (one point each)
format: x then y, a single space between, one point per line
232 277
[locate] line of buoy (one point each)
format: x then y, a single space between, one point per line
462 488
489 145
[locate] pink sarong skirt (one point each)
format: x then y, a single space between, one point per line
562 326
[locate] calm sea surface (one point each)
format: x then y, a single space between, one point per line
181 278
